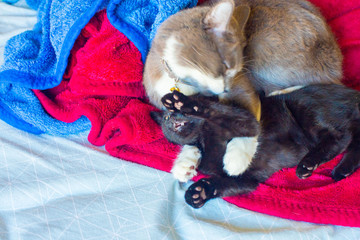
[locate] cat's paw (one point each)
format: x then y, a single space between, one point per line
343 170
186 163
339 174
239 154
305 169
200 192
178 102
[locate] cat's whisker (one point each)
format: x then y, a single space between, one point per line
198 67
196 51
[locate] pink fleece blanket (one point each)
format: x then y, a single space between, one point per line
103 83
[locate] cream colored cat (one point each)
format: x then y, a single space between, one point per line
235 50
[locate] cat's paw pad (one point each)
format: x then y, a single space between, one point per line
200 192
186 163
169 103
305 169
178 102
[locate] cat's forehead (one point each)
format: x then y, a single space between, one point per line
196 54
199 70
190 43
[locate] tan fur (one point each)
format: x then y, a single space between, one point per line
289 43
238 49
200 48
284 43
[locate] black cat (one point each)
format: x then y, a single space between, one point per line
306 127
205 123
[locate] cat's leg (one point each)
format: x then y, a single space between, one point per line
271 157
349 163
239 154
208 188
200 192
351 159
219 183
186 163
240 150
329 147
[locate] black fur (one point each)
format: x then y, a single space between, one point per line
306 128
205 123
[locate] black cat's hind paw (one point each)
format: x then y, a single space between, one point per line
305 170
178 102
340 172
200 192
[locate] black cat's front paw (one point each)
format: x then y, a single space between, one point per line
178 102
305 169
200 192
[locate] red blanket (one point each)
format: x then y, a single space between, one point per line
103 83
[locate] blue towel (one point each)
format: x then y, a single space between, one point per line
11 1
37 59
21 109
138 20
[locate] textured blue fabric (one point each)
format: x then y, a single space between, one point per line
11 1
26 113
140 19
37 59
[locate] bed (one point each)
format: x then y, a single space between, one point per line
67 178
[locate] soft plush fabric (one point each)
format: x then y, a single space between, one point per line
139 19
317 199
37 59
20 108
103 82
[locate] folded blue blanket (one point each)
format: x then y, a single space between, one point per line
37 59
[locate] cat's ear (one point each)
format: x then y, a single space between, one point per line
157 117
218 18
242 14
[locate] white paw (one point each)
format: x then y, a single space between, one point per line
186 163
239 154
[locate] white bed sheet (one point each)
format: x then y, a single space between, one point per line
65 188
